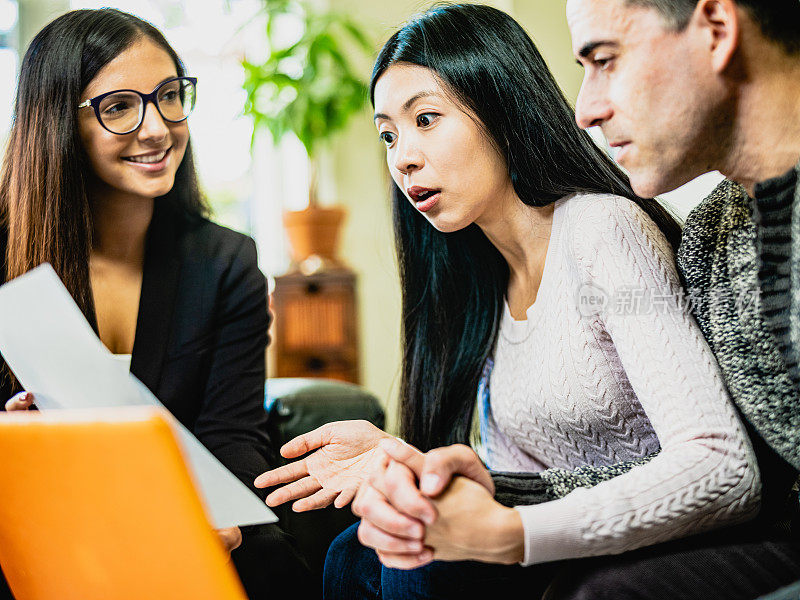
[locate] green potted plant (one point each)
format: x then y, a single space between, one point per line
308 87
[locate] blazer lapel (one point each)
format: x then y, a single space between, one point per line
157 302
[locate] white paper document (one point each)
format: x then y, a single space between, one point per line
55 354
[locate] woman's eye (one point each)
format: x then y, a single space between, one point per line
116 108
426 119
169 96
387 137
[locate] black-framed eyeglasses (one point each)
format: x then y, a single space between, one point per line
122 111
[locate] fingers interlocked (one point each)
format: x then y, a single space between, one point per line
393 516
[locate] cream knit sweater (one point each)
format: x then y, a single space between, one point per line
610 366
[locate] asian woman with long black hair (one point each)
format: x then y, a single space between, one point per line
529 268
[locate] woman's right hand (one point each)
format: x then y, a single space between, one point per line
21 401
345 453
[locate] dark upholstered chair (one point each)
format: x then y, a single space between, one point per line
297 406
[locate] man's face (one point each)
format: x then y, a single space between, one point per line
651 89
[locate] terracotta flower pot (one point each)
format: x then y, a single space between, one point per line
314 231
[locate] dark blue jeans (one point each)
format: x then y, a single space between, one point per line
733 564
353 572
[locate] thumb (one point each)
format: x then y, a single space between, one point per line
403 453
441 464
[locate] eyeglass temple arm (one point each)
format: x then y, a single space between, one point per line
85 103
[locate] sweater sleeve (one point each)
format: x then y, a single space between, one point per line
705 475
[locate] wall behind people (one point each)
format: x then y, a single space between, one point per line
35 14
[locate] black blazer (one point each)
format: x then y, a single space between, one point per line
201 336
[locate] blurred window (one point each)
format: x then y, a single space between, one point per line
9 59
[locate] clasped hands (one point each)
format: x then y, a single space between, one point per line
415 507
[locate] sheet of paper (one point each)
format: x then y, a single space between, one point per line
55 354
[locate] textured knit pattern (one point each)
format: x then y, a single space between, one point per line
794 313
719 261
772 213
573 388
522 489
561 482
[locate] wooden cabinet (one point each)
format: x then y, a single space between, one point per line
316 333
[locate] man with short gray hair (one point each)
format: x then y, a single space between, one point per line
681 88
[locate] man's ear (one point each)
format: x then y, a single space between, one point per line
720 22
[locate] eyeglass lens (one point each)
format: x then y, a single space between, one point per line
123 112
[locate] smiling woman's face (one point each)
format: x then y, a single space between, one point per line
141 163
437 154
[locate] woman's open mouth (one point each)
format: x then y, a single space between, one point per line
424 198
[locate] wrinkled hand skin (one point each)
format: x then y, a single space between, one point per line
472 526
342 454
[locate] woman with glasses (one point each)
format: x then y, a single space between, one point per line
98 180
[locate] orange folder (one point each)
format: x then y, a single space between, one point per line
99 505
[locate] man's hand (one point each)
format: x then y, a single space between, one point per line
463 523
397 536
473 526
342 455
434 470
437 467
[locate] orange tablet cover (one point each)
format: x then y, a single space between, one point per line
100 505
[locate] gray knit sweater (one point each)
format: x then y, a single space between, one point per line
719 261
773 206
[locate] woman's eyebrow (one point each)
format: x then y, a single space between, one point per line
158 84
408 103
418 96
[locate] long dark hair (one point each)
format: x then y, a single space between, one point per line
453 284
43 200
